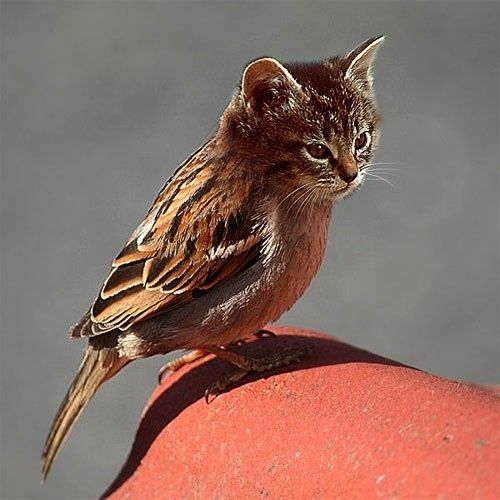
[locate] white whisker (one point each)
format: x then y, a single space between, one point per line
384 163
301 196
381 172
383 169
375 176
302 186
306 200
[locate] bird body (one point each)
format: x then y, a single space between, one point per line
249 300
239 231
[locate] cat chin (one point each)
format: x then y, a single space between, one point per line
347 191
329 195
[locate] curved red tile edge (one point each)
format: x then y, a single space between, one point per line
343 423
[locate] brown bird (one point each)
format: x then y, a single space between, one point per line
239 231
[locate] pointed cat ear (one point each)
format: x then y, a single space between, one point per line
266 80
360 61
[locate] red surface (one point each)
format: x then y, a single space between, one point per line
344 423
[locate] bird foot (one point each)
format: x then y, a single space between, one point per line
247 365
172 366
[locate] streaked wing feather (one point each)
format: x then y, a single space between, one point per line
197 234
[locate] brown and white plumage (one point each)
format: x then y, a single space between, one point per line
195 235
239 231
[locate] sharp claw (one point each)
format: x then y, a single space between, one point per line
163 374
211 391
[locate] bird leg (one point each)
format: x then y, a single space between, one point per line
247 365
172 366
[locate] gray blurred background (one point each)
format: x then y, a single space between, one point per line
102 100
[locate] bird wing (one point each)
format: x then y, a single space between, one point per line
198 232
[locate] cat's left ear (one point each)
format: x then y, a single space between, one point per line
267 81
360 61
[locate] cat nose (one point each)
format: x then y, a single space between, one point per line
348 177
347 168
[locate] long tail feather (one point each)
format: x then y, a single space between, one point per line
97 366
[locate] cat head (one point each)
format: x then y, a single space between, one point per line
310 124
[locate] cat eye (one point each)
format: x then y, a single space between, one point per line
318 150
362 141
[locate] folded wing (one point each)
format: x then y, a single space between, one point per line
199 232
